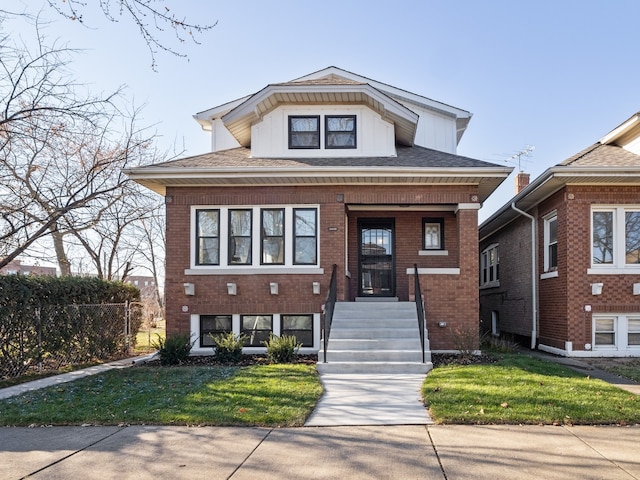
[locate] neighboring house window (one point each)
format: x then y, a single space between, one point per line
304 132
551 243
299 326
340 131
256 329
490 267
272 234
240 237
616 236
212 325
305 236
433 233
208 237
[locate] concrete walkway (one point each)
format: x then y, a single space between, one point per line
370 452
69 377
358 399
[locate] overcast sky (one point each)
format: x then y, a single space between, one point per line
554 74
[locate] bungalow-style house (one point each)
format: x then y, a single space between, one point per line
560 262
330 169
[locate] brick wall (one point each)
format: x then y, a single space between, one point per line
451 298
512 298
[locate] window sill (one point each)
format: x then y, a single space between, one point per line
546 275
302 270
433 252
613 271
490 285
434 271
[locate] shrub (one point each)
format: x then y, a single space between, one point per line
228 347
282 349
174 349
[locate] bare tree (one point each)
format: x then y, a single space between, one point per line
61 150
159 26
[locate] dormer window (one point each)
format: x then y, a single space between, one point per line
304 132
340 131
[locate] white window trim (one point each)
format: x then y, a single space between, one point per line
256 268
547 221
619 265
621 333
489 283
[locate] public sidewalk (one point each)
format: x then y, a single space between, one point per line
365 452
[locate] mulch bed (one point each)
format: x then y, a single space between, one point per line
247 360
438 359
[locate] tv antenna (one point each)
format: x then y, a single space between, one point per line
525 152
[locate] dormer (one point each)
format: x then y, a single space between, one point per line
333 113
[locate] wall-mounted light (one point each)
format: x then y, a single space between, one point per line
189 288
232 289
636 288
316 288
273 287
596 288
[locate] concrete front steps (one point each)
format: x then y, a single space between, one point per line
374 338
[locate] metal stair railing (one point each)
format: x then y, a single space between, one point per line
419 307
327 316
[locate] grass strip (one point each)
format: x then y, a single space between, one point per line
519 389
264 395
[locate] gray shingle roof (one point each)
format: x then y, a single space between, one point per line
599 155
412 157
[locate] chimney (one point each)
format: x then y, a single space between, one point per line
522 180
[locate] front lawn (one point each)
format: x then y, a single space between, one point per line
519 389
261 395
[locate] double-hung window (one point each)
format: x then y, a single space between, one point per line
299 326
551 243
615 237
604 334
272 236
208 237
340 131
305 236
267 238
490 267
256 329
240 237
304 131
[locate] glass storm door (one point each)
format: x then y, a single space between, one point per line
377 272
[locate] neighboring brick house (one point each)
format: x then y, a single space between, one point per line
330 169
16 267
583 297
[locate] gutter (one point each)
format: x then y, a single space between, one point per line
534 290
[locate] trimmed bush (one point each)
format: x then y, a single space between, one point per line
282 349
228 347
174 349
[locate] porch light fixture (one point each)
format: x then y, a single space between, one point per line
316 288
273 287
636 288
189 288
232 289
596 288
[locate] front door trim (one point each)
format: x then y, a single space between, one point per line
381 279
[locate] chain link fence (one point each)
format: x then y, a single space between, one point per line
48 338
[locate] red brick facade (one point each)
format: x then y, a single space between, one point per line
566 303
450 298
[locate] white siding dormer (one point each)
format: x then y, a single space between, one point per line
270 137
435 130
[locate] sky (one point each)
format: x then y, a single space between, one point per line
553 74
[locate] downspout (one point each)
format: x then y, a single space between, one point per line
534 290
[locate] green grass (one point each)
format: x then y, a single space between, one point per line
519 389
32 376
623 367
265 395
